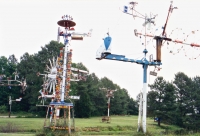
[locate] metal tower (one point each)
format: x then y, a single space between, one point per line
57 79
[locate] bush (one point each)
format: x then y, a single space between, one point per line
3 109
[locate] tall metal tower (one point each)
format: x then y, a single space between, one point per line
57 79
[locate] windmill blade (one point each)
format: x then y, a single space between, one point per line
45 77
24 85
149 26
149 21
145 20
50 86
47 72
145 23
54 84
56 61
47 67
50 63
53 61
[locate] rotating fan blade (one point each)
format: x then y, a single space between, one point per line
47 67
50 86
45 77
56 63
54 86
145 23
53 61
50 63
149 22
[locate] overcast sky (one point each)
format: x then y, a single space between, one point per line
26 25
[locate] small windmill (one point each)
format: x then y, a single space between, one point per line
109 94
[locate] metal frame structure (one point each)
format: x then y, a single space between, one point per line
10 103
110 93
105 53
9 82
145 63
15 82
58 78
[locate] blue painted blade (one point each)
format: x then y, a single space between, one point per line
107 42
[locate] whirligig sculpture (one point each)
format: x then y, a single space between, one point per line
104 52
8 81
59 73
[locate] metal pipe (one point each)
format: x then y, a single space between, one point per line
64 70
69 125
144 99
108 105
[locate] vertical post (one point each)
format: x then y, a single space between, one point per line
46 117
108 105
51 114
64 70
69 126
65 123
144 99
55 112
144 93
73 116
10 102
158 48
140 113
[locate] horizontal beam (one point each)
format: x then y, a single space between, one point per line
124 59
10 85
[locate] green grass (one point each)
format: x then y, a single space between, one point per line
119 125
15 134
27 124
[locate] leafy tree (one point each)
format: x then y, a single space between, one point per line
132 108
8 68
169 103
83 106
106 83
120 102
183 89
93 101
161 101
29 66
12 59
151 103
98 96
196 103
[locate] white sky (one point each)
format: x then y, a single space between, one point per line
26 25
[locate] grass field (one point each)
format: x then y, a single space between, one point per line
119 125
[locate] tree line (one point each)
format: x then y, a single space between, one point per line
93 101
176 102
